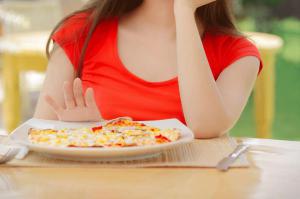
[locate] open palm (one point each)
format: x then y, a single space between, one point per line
78 107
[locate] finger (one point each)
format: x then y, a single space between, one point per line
53 104
90 98
78 94
69 95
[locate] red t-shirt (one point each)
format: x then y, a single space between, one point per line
118 92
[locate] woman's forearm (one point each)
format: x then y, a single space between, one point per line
203 107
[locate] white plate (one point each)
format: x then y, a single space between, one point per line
20 135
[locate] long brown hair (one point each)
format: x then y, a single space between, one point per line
216 17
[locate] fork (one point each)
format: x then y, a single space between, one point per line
9 155
226 162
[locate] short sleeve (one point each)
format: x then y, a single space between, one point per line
236 48
71 35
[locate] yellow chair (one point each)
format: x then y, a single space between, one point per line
264 92
31 57
20 53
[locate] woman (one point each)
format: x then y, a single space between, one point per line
150 59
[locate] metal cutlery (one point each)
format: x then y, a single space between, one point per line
9 155
225 163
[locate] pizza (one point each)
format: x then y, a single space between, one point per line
117 133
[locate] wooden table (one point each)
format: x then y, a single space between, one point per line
275 174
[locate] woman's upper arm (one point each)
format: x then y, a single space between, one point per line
236 83
59 70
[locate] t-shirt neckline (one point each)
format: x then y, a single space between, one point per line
129 73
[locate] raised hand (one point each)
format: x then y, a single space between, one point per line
78 107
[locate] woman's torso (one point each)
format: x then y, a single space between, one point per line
142 91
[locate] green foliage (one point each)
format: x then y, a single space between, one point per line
287 111
260 11
261 2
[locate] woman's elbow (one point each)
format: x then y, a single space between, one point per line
212 131
206 134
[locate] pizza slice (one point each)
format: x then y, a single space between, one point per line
117 133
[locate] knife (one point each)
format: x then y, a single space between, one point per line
225 163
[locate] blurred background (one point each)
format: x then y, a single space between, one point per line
273 110
282 18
